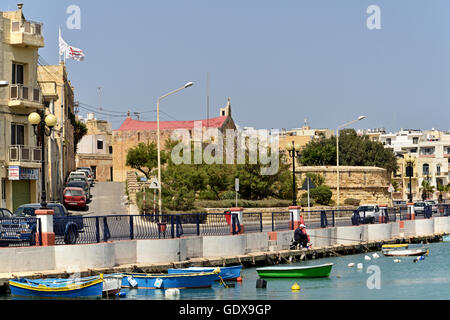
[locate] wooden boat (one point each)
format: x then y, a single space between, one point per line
58 288
169 281
112 283
319 271
403 250
226 273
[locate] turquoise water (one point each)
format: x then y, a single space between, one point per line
424 280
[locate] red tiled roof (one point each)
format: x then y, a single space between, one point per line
135 125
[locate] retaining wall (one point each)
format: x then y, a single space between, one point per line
71 258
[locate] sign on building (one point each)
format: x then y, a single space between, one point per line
14 173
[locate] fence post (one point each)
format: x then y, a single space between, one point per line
97 229
106 233
40 232
323 219
411 214
261 221
198 224
131 228
173 226
332 214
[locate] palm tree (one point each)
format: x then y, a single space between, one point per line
427 188
442 189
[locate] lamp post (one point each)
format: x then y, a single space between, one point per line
294 153
40 125
337 153
187 85
410 173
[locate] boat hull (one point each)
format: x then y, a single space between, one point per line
226 273
169 281
112 284
45 289
321 271
405 252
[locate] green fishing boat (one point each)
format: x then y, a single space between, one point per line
320 271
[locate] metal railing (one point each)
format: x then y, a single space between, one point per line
19 153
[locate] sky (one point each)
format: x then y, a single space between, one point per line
280 62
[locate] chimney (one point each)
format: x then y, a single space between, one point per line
20 6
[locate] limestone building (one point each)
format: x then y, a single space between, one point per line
95 149
132 132
20 154
58 99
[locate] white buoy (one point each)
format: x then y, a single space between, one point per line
359 266
351 265
172 293
375 256
397 260
367 258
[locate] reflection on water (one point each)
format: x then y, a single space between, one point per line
427 279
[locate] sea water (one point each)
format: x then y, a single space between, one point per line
379 278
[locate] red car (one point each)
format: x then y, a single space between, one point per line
75 198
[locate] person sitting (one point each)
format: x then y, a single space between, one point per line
301 237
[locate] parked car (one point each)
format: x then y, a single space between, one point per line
5 213
433 204
20 229
368 213
74 198
419 207
78 174
81 184
399 203
89 174
78 178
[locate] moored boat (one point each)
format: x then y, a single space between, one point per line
319 271
403 250
169 281
446 238
226 273
57 287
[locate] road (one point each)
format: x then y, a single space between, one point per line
108 198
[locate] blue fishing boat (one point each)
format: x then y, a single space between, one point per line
58 288
226 273
169 281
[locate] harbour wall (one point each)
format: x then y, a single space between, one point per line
124 254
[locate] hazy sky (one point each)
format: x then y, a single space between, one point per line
279 61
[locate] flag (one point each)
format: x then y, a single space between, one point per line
69 51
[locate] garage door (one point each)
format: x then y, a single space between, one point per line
21 193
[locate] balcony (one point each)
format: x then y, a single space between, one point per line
26 34
20 155
24 96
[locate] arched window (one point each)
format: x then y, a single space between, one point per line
438 169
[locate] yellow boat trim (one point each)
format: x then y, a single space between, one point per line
395 246
44 288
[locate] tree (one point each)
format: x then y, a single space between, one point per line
144 158
354 150
427 188
79 131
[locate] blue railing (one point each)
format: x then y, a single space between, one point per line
20 232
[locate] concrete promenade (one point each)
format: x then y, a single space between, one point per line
249 249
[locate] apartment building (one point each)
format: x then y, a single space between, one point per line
428 151
58 99
20 153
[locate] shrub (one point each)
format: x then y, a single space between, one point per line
321 195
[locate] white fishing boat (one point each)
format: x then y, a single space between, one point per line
402 250
112 283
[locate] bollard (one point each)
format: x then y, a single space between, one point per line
383 213
411 215
48 235
297 219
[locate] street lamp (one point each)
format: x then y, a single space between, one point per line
294 153
40 124
187 85
337 152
